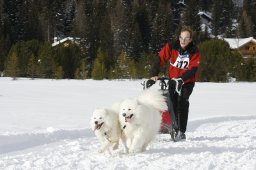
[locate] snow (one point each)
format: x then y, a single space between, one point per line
44 124
235 43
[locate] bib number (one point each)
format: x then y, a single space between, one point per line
182 61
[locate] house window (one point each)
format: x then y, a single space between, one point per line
66 44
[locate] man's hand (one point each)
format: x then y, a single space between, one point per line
155 78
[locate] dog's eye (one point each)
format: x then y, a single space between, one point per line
100 117
129 109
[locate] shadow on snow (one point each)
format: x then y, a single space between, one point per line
11 143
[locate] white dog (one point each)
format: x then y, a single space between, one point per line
140 119
105 124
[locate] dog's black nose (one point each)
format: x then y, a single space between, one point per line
124 114
96 122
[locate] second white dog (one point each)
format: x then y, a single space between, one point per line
140 119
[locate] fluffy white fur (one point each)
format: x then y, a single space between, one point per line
105 124
140 119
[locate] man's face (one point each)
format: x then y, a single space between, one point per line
185 39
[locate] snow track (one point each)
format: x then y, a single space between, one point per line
214 143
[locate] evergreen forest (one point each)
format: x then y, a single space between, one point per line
120 39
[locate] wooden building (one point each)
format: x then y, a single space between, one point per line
245 46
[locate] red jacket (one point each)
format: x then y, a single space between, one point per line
183 63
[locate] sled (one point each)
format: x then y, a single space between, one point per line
168 124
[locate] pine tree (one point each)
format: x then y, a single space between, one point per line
249 6
80 19
58 8
46 61
11 66
68 57
132 70
162 26
235 67
2 54
251 68
106 40
99 70
29 27
254 70
121 16
135 46
59 73
121 70
191 17
81 72
205 5
247 73
24 49
86 27
230 15
142 18
33 28
32 67
222 14
144 65
217 61
68 17
11 20
245 26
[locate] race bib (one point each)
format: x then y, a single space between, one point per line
182 61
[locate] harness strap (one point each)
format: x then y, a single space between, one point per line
113 141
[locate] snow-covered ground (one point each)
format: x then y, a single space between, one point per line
44 124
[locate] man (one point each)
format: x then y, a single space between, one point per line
184 59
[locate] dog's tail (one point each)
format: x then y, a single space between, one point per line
154 98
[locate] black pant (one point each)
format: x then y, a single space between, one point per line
181 104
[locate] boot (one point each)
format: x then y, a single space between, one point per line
180 136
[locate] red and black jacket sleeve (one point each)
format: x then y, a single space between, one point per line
163 56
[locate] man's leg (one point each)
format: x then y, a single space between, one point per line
184 105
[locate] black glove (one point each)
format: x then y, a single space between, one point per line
176 83
150 83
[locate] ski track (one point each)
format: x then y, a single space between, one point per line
214 143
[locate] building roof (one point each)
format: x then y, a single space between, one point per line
235 43
206 15
64 39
